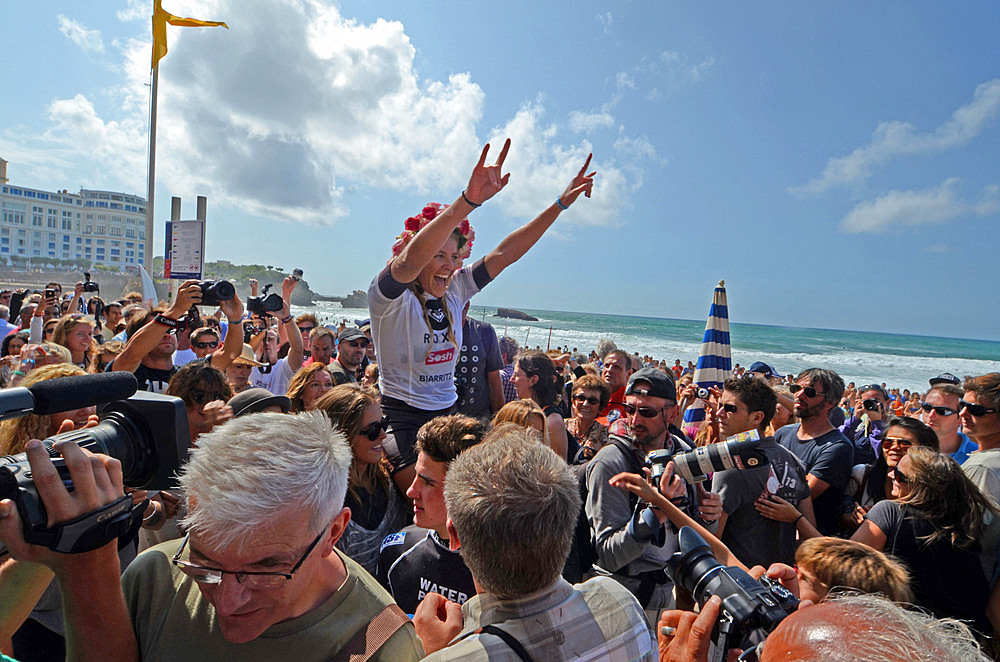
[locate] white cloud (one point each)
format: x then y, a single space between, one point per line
135 10
932 206
893 139
638 148
88 40
548 166
676 66
606 20
580 122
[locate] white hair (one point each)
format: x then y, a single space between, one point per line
246 474
888 632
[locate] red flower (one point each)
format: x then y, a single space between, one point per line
463 227
412 223
430 211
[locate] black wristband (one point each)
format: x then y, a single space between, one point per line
470 202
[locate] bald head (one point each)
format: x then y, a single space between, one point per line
868 628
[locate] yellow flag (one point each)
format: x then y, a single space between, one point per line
160 20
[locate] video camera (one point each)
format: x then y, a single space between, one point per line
265 303
89 285
146 432
748 605
738 451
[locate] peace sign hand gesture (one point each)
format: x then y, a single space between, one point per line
582 183
486 181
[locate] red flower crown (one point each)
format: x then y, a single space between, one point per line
414 224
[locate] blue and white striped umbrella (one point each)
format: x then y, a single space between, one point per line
715 361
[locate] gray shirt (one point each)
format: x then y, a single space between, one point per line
983 469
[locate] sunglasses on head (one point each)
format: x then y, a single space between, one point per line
940 411
974 409
808 390
581 398
899 476
873 387
897 441
374 431
205 345
645 412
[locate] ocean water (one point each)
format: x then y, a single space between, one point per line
863 357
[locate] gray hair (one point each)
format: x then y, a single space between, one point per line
514 504
884 631
244 474
605 347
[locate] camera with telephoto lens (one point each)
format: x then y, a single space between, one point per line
748 605
214 292
265 303
739 451
89 285
147 433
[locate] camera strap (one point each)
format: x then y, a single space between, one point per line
91 530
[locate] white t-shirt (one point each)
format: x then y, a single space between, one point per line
417 365
275 381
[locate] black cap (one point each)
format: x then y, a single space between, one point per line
254 400
945 378
660 386
350 333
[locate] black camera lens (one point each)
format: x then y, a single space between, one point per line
870 404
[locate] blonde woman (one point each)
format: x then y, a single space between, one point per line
16 432
307 385
524 413
75 332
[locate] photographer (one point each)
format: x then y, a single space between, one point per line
274 376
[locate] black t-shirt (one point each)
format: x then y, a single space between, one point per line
828 457
153 380
945 579
415 562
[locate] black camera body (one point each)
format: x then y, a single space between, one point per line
214 292
89 285
147 433
297 274
747 604
265 303
870 404
739 451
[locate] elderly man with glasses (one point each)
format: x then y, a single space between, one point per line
633 544
256 577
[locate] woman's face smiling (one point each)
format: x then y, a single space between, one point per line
436 275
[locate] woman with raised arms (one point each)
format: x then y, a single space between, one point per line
416 302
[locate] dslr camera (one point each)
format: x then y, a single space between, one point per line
147 433
748 605
214 292
739 451
265 303
89 285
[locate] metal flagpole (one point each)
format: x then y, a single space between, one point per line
151 182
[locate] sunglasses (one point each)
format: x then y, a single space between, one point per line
808 390
729 407
974 409
357 343
897 441
940 411
374 431
199 396
306 329
205 345
586 399
645 412
899 476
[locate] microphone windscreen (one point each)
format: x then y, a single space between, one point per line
68 393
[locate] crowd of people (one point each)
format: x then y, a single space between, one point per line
415 487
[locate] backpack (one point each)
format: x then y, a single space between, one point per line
582 553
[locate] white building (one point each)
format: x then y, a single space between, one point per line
100 227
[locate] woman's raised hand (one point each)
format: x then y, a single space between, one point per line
487 180
582 183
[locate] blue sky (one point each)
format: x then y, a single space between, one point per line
835 163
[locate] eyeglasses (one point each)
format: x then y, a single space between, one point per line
645 412
252 580
50 329
902 442
581 398
974 409
357 343
374 431
940 411
729 407
306 329
206 345
201 397
899 476
808 390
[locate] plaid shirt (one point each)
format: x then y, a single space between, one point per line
509 392
596 620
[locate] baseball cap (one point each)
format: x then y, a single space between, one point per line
945 378
255 400
350 333
764 369
660 386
